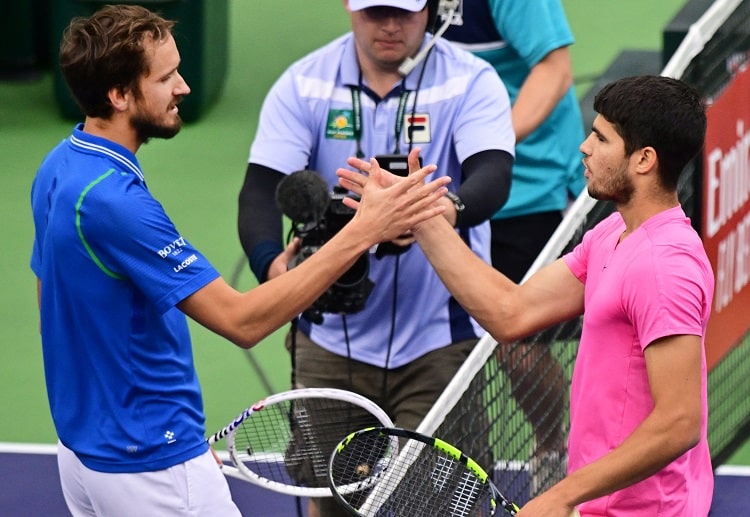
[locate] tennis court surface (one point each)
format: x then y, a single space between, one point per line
32 488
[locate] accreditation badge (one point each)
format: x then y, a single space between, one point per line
340 126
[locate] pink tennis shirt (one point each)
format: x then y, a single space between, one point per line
657 282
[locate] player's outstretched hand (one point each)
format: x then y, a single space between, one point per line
353 181
403 201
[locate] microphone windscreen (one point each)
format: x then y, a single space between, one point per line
303 196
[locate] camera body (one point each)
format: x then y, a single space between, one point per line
349 293
397 164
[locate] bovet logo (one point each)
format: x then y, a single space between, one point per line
173 248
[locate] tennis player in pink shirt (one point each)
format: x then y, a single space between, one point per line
638 435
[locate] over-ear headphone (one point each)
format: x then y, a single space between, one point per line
432 15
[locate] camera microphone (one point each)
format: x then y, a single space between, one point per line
317 214
303 196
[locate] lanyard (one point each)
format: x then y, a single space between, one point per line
357 113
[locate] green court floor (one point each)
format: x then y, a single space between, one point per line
197 177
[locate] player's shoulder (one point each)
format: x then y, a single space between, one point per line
88 172
612 223
671 228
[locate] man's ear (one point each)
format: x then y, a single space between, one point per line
647 160
119 98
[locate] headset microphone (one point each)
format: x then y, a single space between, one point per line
447 10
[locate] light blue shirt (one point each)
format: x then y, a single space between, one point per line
307 121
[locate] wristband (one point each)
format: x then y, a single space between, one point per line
457 202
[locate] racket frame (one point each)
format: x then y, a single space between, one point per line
385 480
239 470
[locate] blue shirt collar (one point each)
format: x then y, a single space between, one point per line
86 142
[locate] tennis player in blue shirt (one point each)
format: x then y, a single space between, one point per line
116 280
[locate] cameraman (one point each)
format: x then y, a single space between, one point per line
349 98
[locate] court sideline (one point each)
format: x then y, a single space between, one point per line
32 488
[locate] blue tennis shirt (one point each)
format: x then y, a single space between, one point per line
118 362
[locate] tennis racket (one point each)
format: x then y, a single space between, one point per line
428 477
283 442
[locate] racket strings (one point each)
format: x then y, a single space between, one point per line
466 494
453 490
419 481
291 441
301 422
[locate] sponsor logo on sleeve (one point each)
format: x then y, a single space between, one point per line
174 249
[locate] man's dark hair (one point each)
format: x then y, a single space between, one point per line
105 51
661 112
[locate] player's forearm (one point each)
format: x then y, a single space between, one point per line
247 318
658 441
383 214
485 293
284 297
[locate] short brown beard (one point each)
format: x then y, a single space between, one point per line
621 190
147 128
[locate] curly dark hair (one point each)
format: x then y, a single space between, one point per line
664 113
105 51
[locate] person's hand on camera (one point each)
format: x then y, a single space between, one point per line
280 264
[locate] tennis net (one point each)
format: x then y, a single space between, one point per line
483 411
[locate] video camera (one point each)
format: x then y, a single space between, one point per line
317 215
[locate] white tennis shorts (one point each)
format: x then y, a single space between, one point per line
194 488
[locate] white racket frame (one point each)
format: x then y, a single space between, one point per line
239 471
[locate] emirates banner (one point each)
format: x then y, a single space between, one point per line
726 215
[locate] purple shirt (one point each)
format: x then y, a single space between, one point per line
657 282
